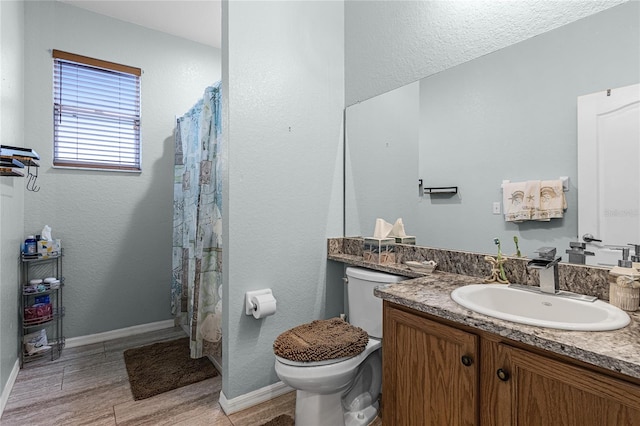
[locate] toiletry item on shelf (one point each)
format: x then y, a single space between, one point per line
30 246
624 284
38 313
35 342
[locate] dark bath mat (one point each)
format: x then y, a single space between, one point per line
163 366
281 420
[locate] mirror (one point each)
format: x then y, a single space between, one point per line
509 115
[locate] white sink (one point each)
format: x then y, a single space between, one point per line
542 310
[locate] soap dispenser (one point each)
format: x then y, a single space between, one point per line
624 284
635 258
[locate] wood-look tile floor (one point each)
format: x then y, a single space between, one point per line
88 385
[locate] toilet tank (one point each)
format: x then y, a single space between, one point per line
365 309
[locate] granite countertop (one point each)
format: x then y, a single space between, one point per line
617 350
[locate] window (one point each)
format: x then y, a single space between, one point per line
96 113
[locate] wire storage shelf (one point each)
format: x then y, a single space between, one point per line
41 307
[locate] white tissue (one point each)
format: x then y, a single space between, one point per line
398 229
382 229
46 233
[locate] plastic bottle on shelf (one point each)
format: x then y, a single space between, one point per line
30 246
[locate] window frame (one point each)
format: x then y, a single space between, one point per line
135 141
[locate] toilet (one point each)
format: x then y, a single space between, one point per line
345 390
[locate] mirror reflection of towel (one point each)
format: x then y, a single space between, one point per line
513 202
533 200
532 197
552 200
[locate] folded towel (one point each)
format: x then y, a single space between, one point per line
532 197
552 200
515 209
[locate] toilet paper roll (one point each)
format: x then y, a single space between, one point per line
264 305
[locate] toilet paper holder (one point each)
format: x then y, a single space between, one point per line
249 306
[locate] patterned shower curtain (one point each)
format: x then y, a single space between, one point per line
196 287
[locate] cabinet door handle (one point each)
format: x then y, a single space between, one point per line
502 374
466 360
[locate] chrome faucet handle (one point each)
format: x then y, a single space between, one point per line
577 245
548 253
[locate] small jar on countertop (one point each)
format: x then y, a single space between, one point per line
624 284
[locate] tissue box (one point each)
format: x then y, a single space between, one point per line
379 250
48 248
405 240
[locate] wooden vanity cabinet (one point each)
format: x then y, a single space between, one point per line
427 382
525 388
430 372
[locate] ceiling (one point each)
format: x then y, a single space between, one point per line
196 20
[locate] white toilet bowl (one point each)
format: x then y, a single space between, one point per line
343 391
335 392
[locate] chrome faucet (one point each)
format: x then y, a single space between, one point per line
547 266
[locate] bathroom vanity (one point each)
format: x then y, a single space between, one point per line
437 372
445 364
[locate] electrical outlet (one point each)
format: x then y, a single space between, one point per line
496 207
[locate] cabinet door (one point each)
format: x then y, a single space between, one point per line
426 381
536 390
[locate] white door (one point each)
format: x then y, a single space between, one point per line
609 172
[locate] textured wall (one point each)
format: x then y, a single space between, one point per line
11 188
392 43
283 75
516 110
115 227
382 160
510 115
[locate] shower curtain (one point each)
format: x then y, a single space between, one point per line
196 288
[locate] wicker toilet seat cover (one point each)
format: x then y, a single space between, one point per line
321 340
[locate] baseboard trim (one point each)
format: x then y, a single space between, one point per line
73 342
215 363
242 402
6 391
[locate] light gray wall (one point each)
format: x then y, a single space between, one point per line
381 177
115 227
283 65
391 43
11 188
512 115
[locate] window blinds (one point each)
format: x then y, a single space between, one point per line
96 113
